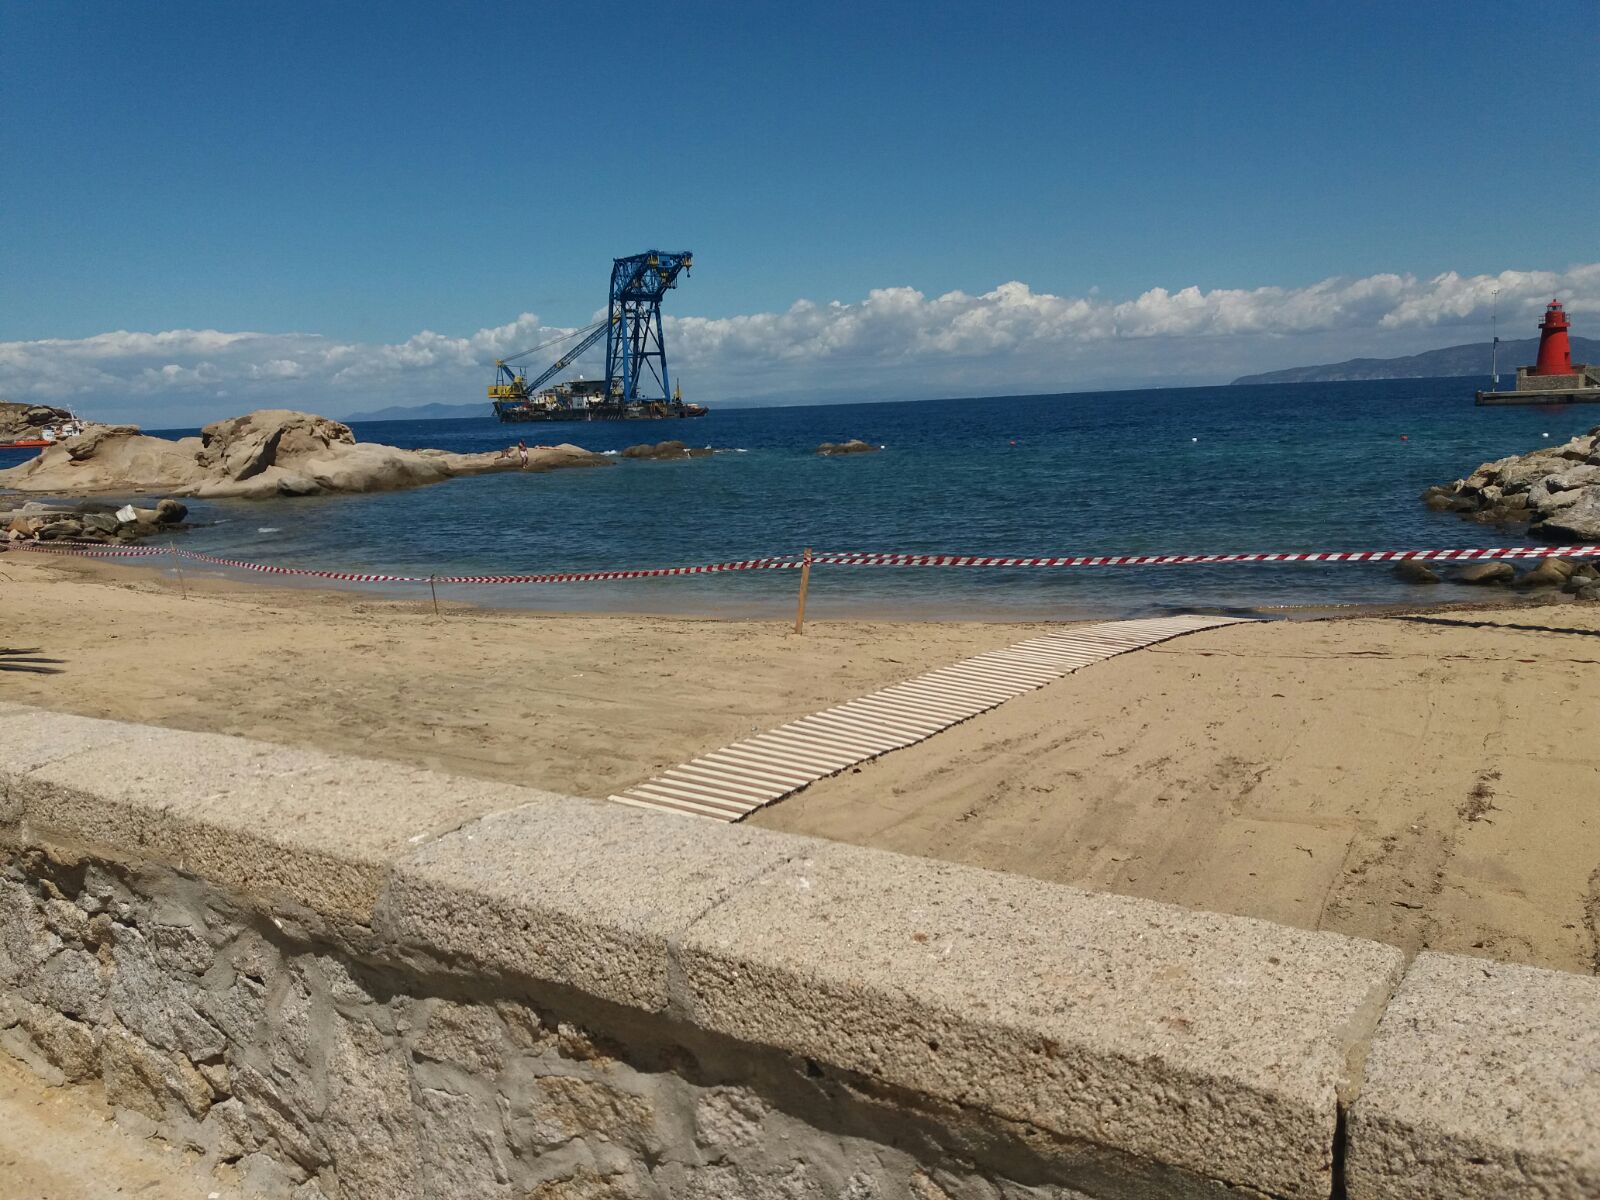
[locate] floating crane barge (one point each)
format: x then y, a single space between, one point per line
636 386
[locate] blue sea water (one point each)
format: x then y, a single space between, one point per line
1335 466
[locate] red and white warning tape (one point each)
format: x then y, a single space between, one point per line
93 549
851 559
847 559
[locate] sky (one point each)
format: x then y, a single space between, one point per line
212 207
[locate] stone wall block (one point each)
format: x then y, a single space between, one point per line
72 982
286 825
464 1151
1210 1043
162 1005
1483 1081
26 941
370 1122
156 1084
572 893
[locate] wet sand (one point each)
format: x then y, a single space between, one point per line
1428 779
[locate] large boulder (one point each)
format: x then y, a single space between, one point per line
273 452
1550 573
1578 521
1484 573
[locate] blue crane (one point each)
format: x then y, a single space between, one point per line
634 345
636 379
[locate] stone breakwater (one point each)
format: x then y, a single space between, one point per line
1555 492
268 453
336 978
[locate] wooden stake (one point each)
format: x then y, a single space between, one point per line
435 592
177 565
805 584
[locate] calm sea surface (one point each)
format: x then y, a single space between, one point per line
1305 467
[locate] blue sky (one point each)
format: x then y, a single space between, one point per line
365 172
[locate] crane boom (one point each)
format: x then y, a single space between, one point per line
567 359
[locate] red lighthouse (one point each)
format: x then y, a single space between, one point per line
1555 353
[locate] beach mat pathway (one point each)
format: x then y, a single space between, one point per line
731 783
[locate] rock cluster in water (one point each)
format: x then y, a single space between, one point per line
34 521
1555 491
853 446
1581 580
273 452
666 450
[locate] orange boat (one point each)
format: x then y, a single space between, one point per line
26 444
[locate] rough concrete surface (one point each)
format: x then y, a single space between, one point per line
574 893
322 829
1483 1081
1212 1043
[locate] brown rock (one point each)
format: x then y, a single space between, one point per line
1552 572
1484 573
1415 572
664 450
853 446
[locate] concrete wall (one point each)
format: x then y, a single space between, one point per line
336 978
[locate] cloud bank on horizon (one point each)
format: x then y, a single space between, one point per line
896 343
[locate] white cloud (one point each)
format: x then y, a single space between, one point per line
895 343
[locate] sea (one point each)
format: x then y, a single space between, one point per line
1298 467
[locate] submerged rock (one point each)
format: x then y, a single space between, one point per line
1485 572
273 452
853 446
1416 572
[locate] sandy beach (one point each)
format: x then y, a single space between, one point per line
1431 780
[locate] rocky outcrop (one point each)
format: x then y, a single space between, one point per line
273 452
666 450
853 446
90 522
26 420
1555 491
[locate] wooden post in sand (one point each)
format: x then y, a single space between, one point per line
805 584
435 592
177 565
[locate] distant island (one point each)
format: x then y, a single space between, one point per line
424 412
1471 359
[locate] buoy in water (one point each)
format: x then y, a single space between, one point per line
1194 439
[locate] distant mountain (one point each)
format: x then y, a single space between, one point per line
424 412
1471 359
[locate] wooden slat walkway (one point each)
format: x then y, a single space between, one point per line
731 783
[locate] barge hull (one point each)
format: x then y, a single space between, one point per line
517 414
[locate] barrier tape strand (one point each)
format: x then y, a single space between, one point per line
846 559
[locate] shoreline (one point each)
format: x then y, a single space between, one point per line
820 607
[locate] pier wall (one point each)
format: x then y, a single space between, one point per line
337 978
